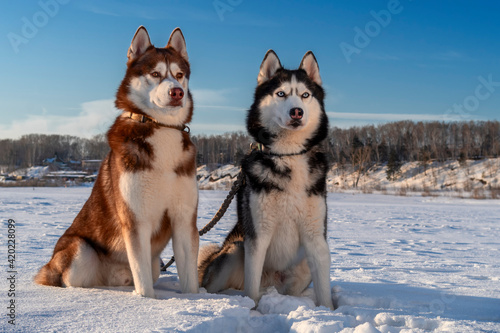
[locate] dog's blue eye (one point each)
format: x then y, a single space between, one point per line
280 94
305 95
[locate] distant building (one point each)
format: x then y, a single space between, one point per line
54 162
75 165
91 165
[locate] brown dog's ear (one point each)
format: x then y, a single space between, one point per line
310 65
140 43
178 43
269 66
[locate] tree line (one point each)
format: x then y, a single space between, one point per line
416 141
361 147
33 149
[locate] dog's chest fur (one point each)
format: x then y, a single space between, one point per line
161 191
282 204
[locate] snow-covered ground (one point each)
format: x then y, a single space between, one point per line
399 264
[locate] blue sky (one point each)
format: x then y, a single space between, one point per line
62 60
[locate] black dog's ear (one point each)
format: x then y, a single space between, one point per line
269 66
178 43
140 43
310 65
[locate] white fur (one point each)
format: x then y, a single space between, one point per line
174 69
161 68
148 194
119 275
84 268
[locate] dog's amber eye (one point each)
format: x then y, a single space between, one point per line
280 93
155 74
179 76
305 95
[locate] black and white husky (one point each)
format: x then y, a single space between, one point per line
280 237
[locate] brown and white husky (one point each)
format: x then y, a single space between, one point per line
146 191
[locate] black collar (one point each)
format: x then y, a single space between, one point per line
146 119
260 147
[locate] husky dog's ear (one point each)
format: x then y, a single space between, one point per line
310 65
269 66
178 43
140 43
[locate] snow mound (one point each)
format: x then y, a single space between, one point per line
219 179
33 172
273 302
469 178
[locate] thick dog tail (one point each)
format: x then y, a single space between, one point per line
205 258
220 268
48 276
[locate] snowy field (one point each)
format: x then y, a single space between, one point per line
399 264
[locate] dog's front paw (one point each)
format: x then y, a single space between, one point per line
149 294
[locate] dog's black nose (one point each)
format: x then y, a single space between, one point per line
176 93
296 113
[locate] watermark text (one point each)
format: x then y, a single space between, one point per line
11 272
31 25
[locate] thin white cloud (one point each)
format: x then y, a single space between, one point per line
214 99
94 118
382 116
222 107
208 97
381 56
450 56
151 11
387 117
216 128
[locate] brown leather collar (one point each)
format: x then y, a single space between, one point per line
146 119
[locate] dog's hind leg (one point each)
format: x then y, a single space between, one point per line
84 268
296 279
118 274
74 264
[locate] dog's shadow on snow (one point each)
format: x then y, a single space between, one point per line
402 299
